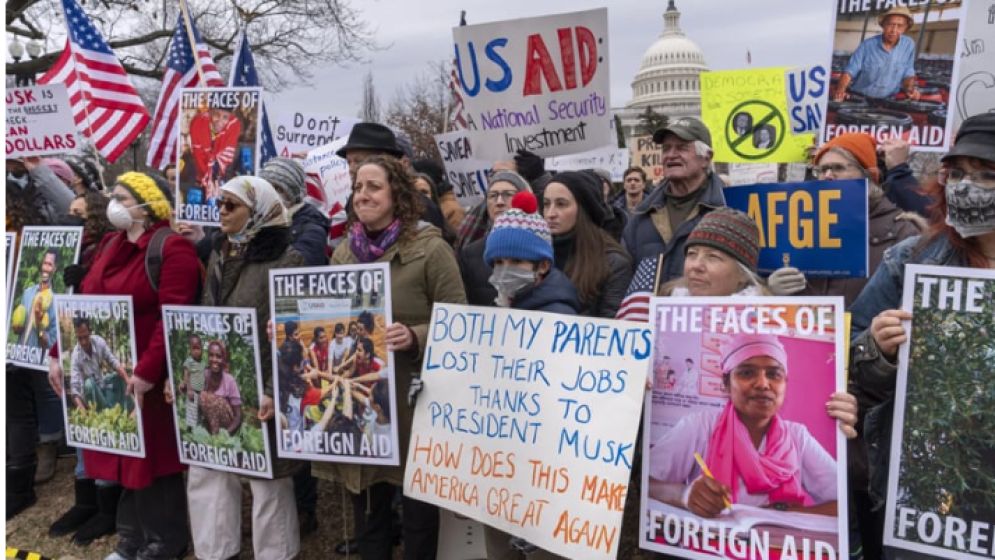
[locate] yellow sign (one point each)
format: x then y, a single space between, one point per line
747 113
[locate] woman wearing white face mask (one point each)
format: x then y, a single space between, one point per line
152 510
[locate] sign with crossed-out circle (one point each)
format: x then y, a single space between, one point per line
754 129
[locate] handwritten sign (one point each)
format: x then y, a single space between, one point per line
328 181
39 121
818 227
807 92
611 158
646 154
464 171
295 133
527 423
747 113
942 507
540 84
696 429
97 351
976 52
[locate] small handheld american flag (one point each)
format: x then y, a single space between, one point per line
636 303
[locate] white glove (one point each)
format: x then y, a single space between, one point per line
786 281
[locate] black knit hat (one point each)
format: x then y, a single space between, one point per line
587 190
731 232
87 171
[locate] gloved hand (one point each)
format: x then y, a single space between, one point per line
786 281
73 275
522 545
416 386
530 166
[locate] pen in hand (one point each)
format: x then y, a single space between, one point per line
708 473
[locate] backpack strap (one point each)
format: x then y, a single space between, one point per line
153 256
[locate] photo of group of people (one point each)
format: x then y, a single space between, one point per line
215 380
96 334
334 376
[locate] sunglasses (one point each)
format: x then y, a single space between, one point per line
229 205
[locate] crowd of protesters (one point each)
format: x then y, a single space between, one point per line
559 243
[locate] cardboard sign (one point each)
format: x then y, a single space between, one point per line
976 75
217 382
610 158
708 354
646 154
906 93
97 351
295 133
818 227
44 254
540 84
219 137
527 422
464 171
942 467
748 115
333 377
39 121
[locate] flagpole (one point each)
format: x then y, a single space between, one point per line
193 42
79 80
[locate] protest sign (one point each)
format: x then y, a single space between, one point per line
818 227
466 173
539 84
646 154
328 181
44 254
39 121
747 113
527 422
295 132
906 92
97 353
219 136
807 93
9 259
612 159
742 371
976 83
750 173
216 381
941 479
333 376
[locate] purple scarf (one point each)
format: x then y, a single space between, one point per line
368 250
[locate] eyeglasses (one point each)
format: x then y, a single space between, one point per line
983 178
836 168
506 195
775 374
229 205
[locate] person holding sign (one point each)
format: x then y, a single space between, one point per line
884 64
152 511
850 156
600 269
384 227
964 194
255 239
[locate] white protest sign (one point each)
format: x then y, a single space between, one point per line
527 423
39 121
806 95
975 91
467 174
295 133
330 174
615 160
540 84
752 173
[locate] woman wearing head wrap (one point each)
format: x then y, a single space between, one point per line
600 269
308 226
255 239
152 512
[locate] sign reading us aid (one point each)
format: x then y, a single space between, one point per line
818 227
527 423
539 84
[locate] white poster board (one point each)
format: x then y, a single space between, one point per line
297 132
39 121
466 173
615 160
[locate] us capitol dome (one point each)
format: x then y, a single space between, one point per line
667 79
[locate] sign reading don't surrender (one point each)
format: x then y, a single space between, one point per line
527 423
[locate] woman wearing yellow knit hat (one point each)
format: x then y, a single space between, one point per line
152 512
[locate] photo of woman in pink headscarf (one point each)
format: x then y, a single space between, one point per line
754 456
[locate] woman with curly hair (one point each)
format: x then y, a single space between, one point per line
384 227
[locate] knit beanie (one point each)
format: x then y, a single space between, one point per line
61 170
515 179
858 144
587 190
86 170
149 190
731 232
287 177
519 233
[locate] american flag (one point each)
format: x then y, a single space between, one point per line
105 105
456 121
181 72
636 303
243 74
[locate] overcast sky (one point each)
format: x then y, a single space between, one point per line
414 34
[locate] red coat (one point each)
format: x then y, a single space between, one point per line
121 271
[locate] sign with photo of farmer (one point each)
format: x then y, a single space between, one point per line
941 479
894 70
334 378
219 136
97 355
216 381
740 457
44 254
